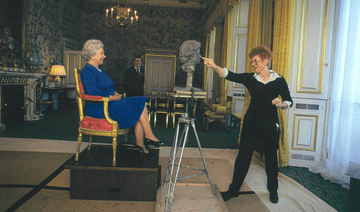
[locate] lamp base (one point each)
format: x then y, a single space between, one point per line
52 85
58 83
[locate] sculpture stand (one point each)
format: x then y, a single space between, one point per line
189 80
170 180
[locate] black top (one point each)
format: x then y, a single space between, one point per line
261 112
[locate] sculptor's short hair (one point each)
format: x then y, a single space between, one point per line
263 51
90 48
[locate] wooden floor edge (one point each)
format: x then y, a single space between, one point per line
220 199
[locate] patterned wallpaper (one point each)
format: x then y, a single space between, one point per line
50 21
158 28
11 13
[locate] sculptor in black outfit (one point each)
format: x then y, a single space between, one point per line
260 129
133 80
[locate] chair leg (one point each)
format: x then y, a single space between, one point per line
155 119
90 139
125 139
173 117
114 144
174 120
78 147
167 120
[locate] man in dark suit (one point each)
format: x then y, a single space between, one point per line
134 79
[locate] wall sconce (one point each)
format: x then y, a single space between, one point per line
58 71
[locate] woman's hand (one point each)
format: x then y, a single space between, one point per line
278 103
115 97
210 63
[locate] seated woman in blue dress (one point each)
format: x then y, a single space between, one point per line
128 112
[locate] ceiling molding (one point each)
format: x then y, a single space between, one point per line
190 4
218 13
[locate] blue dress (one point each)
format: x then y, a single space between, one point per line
126 111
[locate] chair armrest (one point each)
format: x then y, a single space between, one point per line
91 97
106 106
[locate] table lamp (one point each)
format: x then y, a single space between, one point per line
58 70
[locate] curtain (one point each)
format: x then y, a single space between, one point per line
219 19
253 40
258 33
343 143
283 22
219 27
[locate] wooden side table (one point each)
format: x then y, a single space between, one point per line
50 101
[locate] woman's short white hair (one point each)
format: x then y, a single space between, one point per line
90 48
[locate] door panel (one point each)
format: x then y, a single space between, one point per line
310 75
159 73
238 53
307 118
309 81
72 60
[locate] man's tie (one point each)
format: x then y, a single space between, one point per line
138 70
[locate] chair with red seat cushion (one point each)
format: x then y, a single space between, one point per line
95 126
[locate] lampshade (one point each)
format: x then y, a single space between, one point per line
57 70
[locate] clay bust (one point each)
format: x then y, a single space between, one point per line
189 55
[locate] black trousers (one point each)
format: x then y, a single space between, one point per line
243 160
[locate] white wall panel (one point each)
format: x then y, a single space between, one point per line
309 72
238 53
306 121
309 81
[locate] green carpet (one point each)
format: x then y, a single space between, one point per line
63 124
333 194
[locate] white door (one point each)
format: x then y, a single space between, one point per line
72 60
159 73
238 53
309 82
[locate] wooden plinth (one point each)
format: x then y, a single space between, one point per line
136 177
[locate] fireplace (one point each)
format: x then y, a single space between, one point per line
20 94
12 104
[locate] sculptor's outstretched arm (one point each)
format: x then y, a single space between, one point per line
210 63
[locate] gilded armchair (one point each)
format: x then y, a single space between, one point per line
218 112
95 126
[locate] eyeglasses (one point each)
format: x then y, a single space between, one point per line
254 62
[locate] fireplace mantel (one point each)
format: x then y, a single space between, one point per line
32 82
21 74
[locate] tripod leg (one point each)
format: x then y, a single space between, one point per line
173 153
169 199
203 160
186 129
169 172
